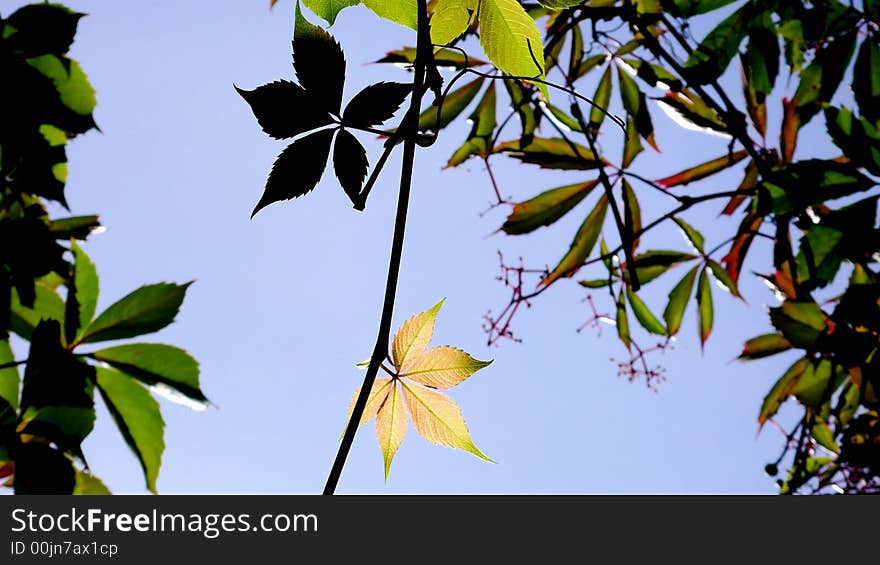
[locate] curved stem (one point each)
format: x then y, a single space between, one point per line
410 128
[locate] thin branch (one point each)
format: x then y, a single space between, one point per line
409 127
12 364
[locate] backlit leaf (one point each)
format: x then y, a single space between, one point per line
800 322
520 100
450 19
582 245
156 364
438 419
718 48
781 390
47 305
690 233
510 39
705 307
403 12
691 112
703 170
391 425
636 105
381 387
479 141
866 79
138 418
80 307
329 9
9 377
546 208
633 145
551 153
678 300
601 99
70 80
644 315
622 321
413 337
632 213
453 105
764 346
146 310
88 484
723 277
443 367
297 170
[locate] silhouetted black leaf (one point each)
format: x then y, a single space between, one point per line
283 109
375 104
319 63
298 169
42 28
350 163
39 469
54 376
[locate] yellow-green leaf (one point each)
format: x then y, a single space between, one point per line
453 105
781 390
391 426
511 39
9 377
403 12
329 9
678 299
622 321
451 18
85 285
582 245
88 484
413 337
443 367
764 346
438 419
378 394
601 99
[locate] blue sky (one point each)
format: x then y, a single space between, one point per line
285 304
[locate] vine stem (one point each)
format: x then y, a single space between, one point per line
410 126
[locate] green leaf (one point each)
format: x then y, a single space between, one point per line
582 245
546 208
65 426
632 212
866 79
453 105
521 100
329 9
824 437
644 315
691 112
703 170
717 49
146 310
47 305
818 259
858 138
450 19
562 118
551 153
815 385
479 141
157 365
75 226
560 4
761 61
691 234
632 145
88 484
587 65
820 80
800 322
511 39
723 277
622 321
652 264
636 105
781 390
403 12
704 306
82 297
9 377
601 99
70 80
138 418
678 300
764 346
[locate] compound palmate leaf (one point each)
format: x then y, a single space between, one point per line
416 373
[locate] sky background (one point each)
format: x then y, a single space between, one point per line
285 304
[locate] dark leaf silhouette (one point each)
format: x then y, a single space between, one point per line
297 170
283 109
375 104
319 63
350 163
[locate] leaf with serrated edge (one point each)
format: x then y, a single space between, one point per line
438 419
85 283
451 18
375 104
138 418
413 337
511 39
705 307
443 367
381 387
644 315
319 63
678 299
146 310
391 425
156 363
